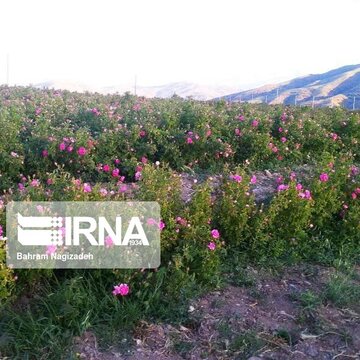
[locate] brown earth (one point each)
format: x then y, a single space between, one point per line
263 320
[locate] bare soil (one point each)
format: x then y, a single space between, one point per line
263 320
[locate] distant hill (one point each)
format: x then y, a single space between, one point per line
183 89
333 88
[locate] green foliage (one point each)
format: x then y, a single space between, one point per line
235 210
281 229
193 256
7 279
62 146
343 291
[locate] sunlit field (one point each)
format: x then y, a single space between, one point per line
250 195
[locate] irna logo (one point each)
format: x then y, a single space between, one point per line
47 230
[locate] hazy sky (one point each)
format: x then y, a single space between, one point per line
238 42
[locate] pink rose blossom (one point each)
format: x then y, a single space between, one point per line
181 221
151 221
215 233
161 225
109 242
121 289
324 177
253 179
35 183
123 188
211 246
95 111
307 194
51 249
45 153
62 146
354 170
106 168
103 192
40 209
87 188
189 140
237 178
115 173
81 151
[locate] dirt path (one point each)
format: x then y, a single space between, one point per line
283 316
263 190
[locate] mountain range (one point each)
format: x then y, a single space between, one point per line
182 89
338 87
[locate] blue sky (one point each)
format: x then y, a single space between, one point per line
230 42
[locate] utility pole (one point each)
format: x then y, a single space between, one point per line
277 92
354 103
135 85
7 69
266 99
295 100
313 101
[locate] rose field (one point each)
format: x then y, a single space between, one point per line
260 217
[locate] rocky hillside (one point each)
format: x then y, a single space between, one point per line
337 87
